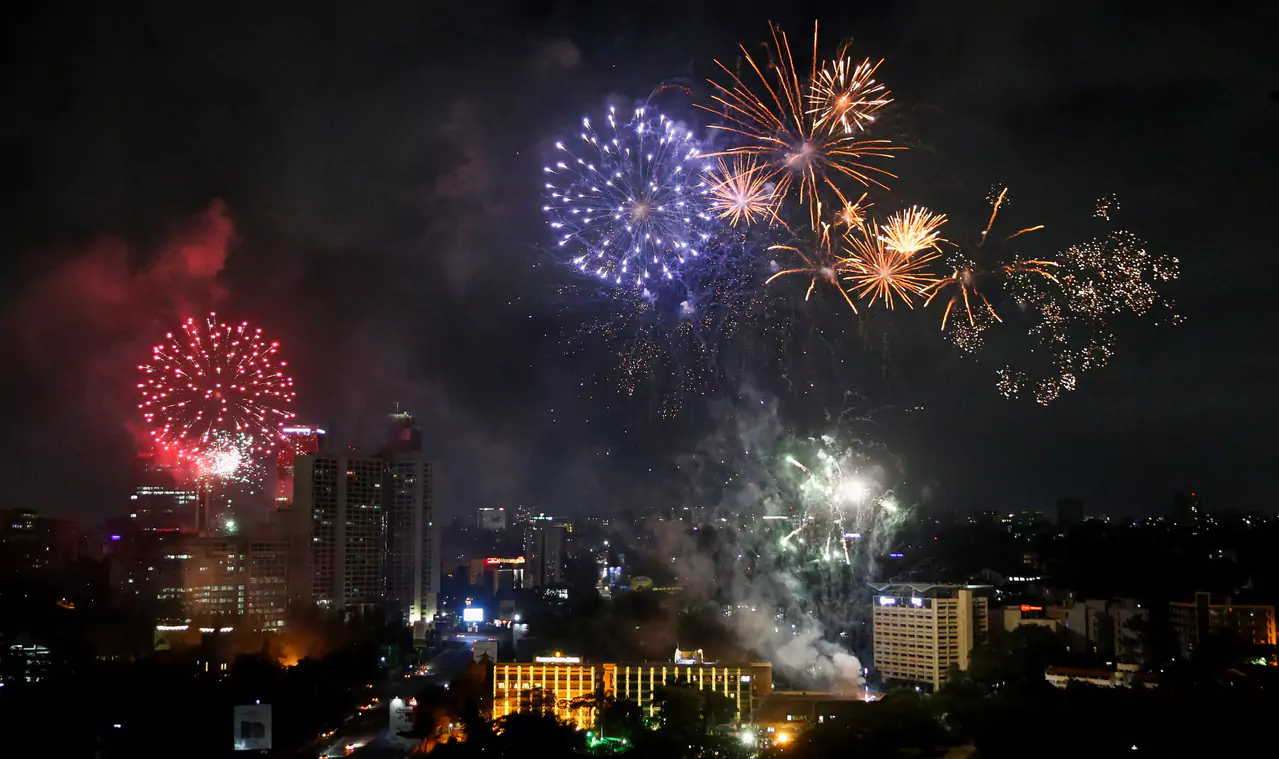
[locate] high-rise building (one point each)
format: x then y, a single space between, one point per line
338 505
367 529
412 542
1201 620
162 498
545 545
491 518
296 440
921 629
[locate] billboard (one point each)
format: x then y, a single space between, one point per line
472 614
252 727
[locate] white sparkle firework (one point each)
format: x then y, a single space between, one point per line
629 204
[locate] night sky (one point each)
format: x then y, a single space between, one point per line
362 180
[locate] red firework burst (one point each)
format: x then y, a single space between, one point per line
214 380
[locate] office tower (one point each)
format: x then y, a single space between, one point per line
296 440
412 543
545 545
220 581
1186 511
921 629
339 514
489 518
163 498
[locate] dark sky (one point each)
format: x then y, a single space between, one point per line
379 165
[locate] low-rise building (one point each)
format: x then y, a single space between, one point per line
566 686
1123 676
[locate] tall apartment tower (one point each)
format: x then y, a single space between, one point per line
921 629
340 516
412 542
545 545
366 527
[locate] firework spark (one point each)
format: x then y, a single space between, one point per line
740 192
635 209
213 380
772 123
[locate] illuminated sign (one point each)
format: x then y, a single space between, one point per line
302 430
887 601
1028 607
493 560
472 614
918 603
852 536
558 659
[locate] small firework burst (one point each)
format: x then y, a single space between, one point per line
741 192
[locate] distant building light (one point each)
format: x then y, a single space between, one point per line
775 516
896 555
115 537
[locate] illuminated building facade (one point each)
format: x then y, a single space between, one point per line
556 682
921 629
554 686
640 682
1196 621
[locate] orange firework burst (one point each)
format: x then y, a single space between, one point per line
963 282
844 97
821 264
740 192
775 127
876 270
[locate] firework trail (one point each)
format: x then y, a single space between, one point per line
630 203
804 125
212 383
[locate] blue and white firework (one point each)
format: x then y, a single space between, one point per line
629 204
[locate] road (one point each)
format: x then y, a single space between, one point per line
368 732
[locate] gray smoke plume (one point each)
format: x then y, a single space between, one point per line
789 530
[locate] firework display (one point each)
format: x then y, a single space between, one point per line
215 385
631 204
794 153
